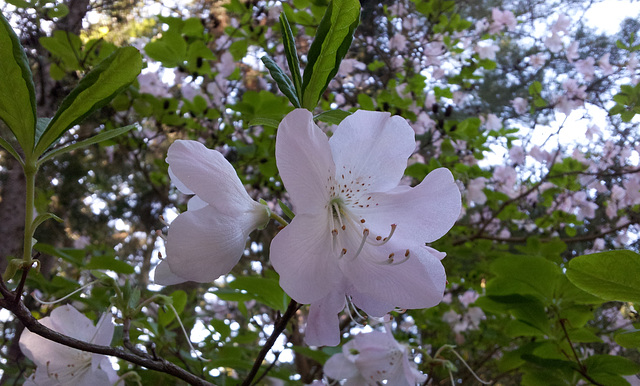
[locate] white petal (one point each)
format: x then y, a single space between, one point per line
176 181
418 282
301 253
209 175
196 203
423 213
104 330
371 306
204 244
323 323
373 144
339 367
304 161
69 321
164 276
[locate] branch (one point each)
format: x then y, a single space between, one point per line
280 325
24 315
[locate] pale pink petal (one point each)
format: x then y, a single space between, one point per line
69 321
339 367
176 181
104 330
425 212
373 146
304 161
196 203
418 282
209 175
373 307
164 276
301 253
323 323
205 244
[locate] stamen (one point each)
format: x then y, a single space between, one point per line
386 239
365 234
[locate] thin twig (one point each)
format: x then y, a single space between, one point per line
23 314
279 326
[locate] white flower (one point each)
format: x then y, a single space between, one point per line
62 365
520 105
562 24
358 235
209 238
371 358
553 42
486 49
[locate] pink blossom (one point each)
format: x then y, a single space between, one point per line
372 358
538 60
561 25
517 155
347 66
591 131
62 365
586 68
474 190
209 238
358 235
486 50
468 297
554 43
481 26
605 66
398 42
520 105
502 19
540 155
493 122
572 52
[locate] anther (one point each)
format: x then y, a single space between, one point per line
362 220
334 232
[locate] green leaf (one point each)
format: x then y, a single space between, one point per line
94 91
110 263
331 43
610 364
105 135
291 54
317 355
282 80
20 3
332 117
286 210
74 256
42 218
18 98
260 121
610 275
628 339
170 49
166 315
265 290
7 146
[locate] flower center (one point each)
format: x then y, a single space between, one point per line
348 201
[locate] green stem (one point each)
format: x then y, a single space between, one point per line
30 170
279 219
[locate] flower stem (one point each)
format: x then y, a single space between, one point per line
30 170
279 219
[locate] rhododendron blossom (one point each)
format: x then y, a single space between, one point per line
62 365
358 236
371 358
209 238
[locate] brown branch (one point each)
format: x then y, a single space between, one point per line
576 239
280 325
24 315
582 369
